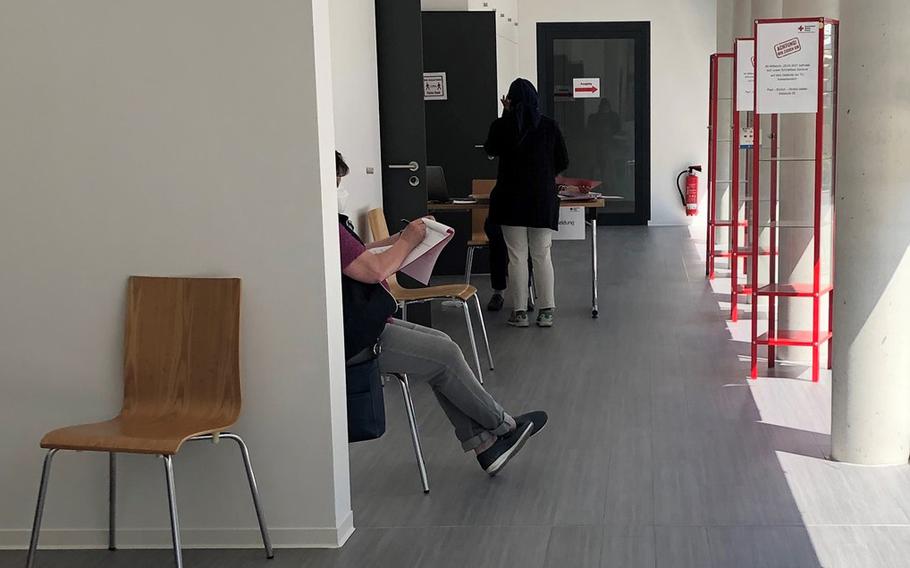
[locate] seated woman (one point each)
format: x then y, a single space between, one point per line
480 422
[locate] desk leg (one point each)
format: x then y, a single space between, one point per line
594 307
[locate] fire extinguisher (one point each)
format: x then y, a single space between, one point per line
689 198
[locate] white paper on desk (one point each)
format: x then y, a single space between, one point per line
420 263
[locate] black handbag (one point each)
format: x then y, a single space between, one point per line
366 405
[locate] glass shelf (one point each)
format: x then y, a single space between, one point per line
787 225
792 159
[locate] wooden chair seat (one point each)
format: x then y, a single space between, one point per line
479 242
463 292
162 435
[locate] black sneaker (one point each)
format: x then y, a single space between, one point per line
504 449
496 303
536 417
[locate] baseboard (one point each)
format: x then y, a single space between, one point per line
130 538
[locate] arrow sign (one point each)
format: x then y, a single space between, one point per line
587 88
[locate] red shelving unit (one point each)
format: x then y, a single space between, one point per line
717 134
739 168
777 42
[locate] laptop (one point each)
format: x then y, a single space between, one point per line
437 190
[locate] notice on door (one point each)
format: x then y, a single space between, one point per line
786 67
586 88
435 87
745 74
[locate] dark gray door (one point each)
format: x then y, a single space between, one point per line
463 46
607 128
399 39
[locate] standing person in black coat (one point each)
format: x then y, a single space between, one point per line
525 202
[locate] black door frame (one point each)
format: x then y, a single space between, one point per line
641 33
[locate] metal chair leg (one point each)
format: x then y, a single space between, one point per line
467 319
469 265
172 504
112 504
254 490
404 311
532 290
412 423
483 328
39 509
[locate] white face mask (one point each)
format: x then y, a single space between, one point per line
343 196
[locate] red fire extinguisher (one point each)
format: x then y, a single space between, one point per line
689 198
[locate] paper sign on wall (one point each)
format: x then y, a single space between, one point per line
435 87
586 88
786 67
571 224
745 74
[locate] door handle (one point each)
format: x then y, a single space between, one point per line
413 166
479 146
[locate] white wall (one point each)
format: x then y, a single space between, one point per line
170 138
683 36
356 97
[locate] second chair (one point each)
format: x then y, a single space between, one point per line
463 293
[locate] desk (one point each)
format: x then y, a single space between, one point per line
593 204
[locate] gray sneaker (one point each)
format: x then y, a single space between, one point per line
545 318
519 319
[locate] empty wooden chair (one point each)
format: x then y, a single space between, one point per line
181 383
459 292
480 188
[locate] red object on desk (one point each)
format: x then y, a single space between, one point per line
588 184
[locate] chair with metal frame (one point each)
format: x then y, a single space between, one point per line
181 383
460 292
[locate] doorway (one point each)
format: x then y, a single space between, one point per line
594 80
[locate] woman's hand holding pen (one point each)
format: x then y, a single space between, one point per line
414 233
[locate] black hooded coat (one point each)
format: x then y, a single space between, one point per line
531 152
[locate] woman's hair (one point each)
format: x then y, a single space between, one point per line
525 105
341 167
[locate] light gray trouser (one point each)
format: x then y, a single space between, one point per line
431 355
520 241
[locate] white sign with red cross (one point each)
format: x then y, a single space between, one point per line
786 67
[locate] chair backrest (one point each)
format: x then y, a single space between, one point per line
380 230
479 214
482 186
437 188
182 355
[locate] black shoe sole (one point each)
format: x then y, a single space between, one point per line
507 457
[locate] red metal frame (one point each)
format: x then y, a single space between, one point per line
712 254
815 290
745 252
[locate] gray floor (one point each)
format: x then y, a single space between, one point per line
659 453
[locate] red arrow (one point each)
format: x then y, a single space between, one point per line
591 89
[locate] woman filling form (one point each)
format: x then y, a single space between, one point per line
481 424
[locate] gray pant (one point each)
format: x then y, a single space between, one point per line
520 241
431 355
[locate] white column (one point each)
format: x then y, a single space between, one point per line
871 398
796 193
767 9
742 18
